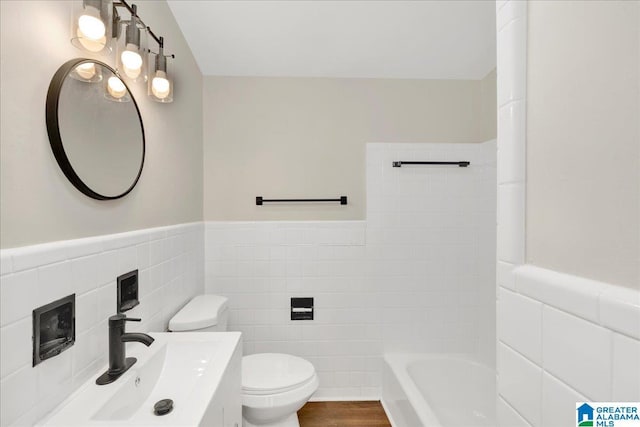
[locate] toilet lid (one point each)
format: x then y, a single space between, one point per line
201 312
274 372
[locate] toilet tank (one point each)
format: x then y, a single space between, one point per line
204 313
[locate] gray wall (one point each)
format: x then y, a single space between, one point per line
37 203
305 137
583 139
488 106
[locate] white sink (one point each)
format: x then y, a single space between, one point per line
196 370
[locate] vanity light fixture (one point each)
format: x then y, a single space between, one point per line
95 23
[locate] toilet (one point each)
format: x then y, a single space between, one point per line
274 385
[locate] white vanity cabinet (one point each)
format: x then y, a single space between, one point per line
226 407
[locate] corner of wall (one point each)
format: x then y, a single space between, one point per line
545 318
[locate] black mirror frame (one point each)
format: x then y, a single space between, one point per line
53 129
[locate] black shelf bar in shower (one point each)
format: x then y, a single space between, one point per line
398 164
260 200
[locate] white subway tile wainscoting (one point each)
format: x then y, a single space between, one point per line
259 266
562 333
170 264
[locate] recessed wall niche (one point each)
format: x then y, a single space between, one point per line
54 328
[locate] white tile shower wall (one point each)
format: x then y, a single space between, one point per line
170 262
421 263
431 246
583 351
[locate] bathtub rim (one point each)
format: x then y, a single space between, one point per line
398 364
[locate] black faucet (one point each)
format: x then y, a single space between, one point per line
118 363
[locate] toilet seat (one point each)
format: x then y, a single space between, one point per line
275 373
280 391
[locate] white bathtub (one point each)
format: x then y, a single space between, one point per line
438 390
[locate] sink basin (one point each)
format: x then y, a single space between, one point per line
197 371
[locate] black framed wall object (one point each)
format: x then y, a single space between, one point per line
54 328
302 308
95 129
127 291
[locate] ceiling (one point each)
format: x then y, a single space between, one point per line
447 39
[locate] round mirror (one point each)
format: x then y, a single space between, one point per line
95 129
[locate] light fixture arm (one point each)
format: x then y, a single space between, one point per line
123 3
133 10
133 32
160 41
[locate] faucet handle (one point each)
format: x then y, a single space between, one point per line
120 319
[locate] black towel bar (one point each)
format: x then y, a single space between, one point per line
398 164
260 200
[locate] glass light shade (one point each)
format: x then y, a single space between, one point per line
87 72
116 90
160 87
131 53
91 25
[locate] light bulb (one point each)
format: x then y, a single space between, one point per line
91 45
91 27
160 86
131 61
87 70
116 88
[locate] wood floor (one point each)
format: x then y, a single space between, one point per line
343 414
